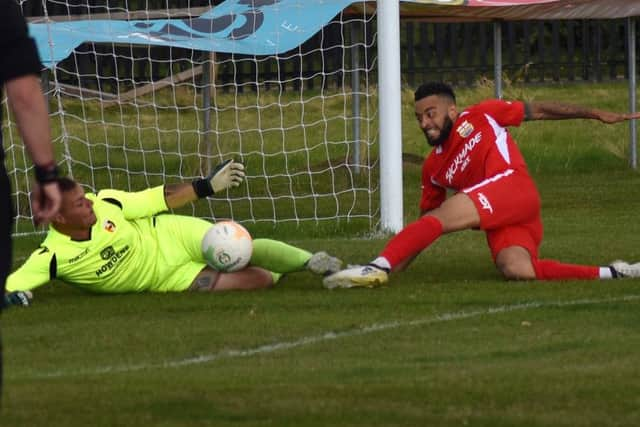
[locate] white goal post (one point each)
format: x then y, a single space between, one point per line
304 121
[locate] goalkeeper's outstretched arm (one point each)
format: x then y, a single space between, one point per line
226 175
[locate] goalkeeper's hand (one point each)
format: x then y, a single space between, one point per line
18 298
226 175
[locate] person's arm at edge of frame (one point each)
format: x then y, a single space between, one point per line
25 98
543 110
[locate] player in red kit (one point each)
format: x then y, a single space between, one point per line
475 156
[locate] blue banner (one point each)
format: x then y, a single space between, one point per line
252 27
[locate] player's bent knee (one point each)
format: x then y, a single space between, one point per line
514 263
517 270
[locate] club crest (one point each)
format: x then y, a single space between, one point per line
109 226
465 129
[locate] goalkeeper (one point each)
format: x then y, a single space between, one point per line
117 242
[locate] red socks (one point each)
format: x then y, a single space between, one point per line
420 234
412 239
553 270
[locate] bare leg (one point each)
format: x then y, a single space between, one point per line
246 279
514 263
456 213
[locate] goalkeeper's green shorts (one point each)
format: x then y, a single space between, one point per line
180 257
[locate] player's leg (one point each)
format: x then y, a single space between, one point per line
187 232
515 252
515 263
181 236
280 257
181 264
249 278
515 246
514 233
492 203
488 204
509 209
458 212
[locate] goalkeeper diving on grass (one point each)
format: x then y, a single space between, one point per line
118 242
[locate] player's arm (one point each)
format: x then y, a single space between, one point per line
226 175
35 272
158 199
560 111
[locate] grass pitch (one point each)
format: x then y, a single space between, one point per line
448 343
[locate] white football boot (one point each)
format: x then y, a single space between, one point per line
323 263
357 276
624 269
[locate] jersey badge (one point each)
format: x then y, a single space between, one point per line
109 226
465 129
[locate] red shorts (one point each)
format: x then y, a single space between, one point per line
509 207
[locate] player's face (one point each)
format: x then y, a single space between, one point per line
435 115
77 210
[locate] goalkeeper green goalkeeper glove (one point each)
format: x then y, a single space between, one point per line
18 298
224 176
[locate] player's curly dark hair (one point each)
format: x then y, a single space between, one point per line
434 88
66 184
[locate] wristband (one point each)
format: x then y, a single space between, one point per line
47 173
202 187
527 112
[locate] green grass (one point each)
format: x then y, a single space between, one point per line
448 343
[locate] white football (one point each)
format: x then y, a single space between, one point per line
227 246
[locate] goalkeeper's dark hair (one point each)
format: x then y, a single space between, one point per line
434 88
66 184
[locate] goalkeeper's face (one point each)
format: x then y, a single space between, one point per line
76 210
435 115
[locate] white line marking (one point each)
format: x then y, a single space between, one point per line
327 336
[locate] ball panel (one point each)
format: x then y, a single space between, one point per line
227 246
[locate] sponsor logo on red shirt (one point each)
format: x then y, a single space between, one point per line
461 161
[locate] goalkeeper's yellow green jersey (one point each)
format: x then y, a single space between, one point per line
131 248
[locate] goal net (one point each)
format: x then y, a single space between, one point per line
129 115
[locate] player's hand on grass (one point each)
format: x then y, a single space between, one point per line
226 175
22 298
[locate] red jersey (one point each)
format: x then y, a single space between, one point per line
479 147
